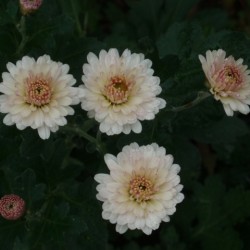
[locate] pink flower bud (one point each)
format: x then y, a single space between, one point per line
12 207
29 6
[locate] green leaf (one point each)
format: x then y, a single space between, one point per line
171 239
9 231
95 227
222 239
180 40
226 130
237 201
26 186
7 42
32 145
18 245
209 197
213 19
12 9
219 212
188 157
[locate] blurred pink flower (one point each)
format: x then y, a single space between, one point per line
12 207
228 79
29 6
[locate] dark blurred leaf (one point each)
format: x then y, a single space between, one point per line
18 245
215 19
170 238
227 130
32 145
220 239
219 211
180 39
11 10
9 231
26 186
7 42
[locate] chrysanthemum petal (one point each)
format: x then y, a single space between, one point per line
44 132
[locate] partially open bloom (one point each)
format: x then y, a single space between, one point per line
12 207
228 80
120 91
142 188
37 94
29 6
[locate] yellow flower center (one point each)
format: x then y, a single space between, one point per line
38 91
141 189
117 91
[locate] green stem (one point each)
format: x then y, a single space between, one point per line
24 38
65 197
96 141
75 13
200 97
85 24
43 226
155 122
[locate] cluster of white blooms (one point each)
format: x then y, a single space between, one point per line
119 91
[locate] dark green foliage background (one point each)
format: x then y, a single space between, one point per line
55 177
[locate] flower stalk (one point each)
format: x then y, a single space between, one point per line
200 97
96 141
24 38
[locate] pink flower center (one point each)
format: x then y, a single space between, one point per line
228 79
141 189
117 91
38 91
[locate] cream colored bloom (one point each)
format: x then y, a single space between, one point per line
37 94
228 79
120 91
142 188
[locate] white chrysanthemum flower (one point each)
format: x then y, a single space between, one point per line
229 80
142 188
37 94
120 91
